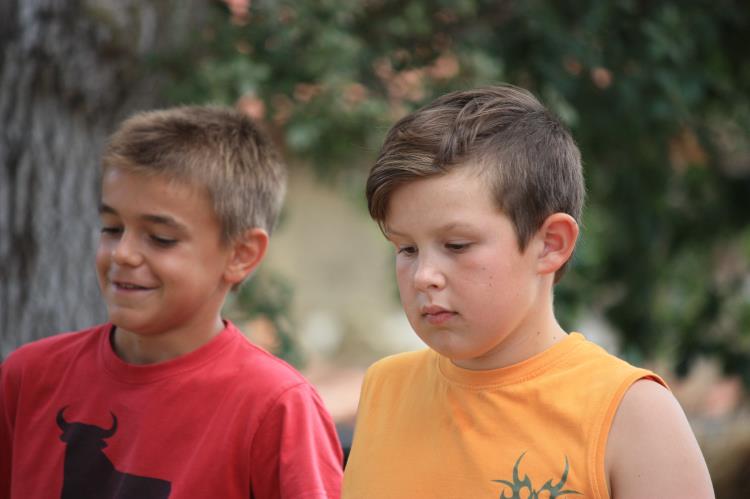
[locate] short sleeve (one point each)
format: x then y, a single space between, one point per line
7 410
295 452
364 410
362 405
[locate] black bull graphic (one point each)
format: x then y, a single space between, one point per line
89 474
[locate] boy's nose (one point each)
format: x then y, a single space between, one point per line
125 251
428 276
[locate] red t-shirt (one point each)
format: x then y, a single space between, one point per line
228 420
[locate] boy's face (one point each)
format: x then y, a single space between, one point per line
467 289
160 260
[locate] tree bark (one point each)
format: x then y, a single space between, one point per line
70 70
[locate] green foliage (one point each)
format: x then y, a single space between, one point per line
656 93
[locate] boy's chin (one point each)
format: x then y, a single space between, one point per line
461 357
451 353
130 326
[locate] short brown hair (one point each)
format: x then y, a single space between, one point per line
217 148
531 161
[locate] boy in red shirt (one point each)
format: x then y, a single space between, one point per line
168 400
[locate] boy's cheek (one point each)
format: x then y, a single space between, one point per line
402 269
101 259
404 280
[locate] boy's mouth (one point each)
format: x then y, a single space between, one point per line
129 286
436 315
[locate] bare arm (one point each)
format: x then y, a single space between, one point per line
651 451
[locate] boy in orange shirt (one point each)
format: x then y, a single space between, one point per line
167 400
480 193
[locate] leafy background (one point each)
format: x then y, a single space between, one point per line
656 94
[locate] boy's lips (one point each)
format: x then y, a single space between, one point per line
437 315
127 286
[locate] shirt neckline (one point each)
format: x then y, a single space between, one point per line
138 374
516 373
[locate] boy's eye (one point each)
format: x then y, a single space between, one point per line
163 241
457 246
111 230
407 250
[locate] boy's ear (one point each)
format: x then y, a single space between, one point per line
248 251
558 236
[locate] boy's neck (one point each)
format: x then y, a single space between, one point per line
531 338
142 349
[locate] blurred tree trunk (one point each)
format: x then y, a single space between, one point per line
70 70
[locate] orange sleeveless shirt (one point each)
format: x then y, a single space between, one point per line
429 429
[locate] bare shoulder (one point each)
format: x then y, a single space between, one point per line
652 451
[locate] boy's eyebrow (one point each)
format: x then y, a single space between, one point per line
157 219
103 208
164 220
388 231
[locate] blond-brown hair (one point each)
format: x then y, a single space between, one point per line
532 163
219 149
